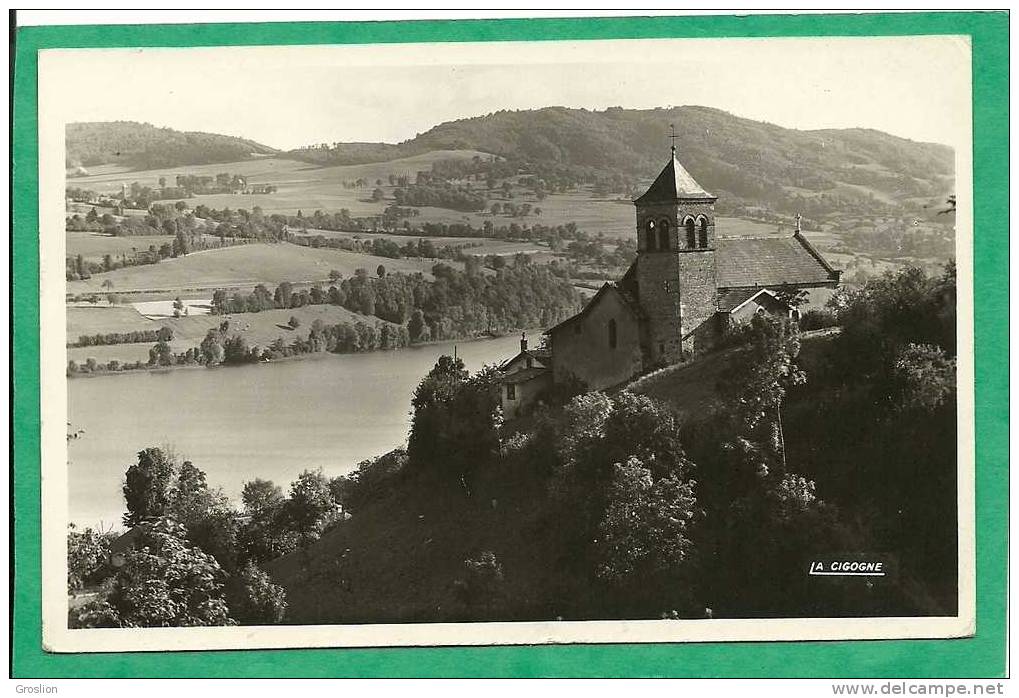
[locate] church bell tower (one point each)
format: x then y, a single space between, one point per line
676 275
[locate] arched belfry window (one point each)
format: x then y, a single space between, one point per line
612 334
663 235
649 236
703 241
691 233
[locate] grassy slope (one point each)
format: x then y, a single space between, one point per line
286 173
397 560
258 329
244 266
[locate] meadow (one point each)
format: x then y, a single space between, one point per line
478 245
93 246
259 329
243 266
307 188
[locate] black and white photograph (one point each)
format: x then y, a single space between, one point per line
650 340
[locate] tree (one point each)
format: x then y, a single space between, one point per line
147 486
260 496
757 385
178 306
181 244
416 326
645 540
381 271
924 378
161 354
294 322
335 276
481 589
211 348
284 294
164 582
86 551
378 194
254 599
310 507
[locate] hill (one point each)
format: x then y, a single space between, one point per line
745 161
144 146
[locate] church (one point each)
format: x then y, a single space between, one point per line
685 288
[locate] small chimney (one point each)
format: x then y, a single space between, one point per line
523 341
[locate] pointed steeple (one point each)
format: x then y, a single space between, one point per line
674 183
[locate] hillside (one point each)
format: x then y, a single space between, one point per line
144 146
242 266
743 160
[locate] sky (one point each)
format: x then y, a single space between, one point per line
286 97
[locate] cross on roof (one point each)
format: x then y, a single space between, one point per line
673 136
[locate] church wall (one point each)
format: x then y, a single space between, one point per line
659 288
698 294
581 348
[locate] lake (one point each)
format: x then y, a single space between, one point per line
270 421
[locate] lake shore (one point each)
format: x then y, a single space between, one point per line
299 357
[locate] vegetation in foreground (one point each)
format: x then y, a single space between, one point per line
608 506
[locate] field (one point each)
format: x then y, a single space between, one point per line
243 266
307 188
291 176
94 245
479 245
258 329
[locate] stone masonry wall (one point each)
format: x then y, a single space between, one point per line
581 348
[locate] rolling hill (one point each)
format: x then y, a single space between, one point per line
143 146
748 161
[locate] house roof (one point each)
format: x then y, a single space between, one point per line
673 183
771 261
629 302
525 375
731 301
542 356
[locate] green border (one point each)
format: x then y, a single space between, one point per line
980 656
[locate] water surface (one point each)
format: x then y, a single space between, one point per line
270 421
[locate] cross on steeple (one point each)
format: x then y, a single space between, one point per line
673 136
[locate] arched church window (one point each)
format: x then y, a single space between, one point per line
663 235
650 236
612 334
703 241
691 235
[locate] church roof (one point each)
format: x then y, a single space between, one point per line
674 182
772 262
628 300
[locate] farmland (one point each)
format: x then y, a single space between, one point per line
258 329
94 246
242 266
295 178
476 245
304 187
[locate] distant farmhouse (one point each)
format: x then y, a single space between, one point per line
684 290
